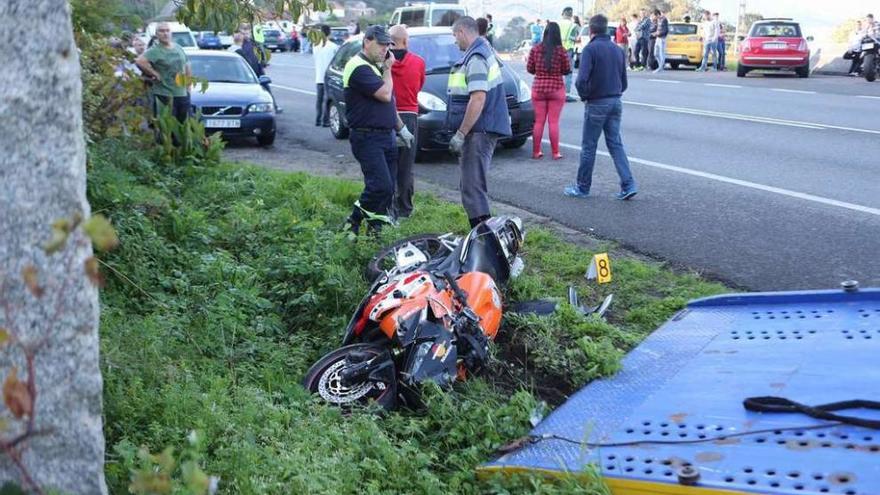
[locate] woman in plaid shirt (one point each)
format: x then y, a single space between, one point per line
549 63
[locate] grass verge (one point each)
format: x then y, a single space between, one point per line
236 281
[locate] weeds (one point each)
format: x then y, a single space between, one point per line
238 281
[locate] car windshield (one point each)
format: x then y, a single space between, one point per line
183 39
222 69
682 29
439 51
445 17
776 30
272 33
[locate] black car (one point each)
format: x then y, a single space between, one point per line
276 40
338 35
208 40
235 103
437 47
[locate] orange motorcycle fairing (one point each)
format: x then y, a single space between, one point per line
484 298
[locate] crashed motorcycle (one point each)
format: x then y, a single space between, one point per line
434 306
870 60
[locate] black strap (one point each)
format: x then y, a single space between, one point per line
783 405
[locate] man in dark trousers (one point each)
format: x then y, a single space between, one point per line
408 75
477 113
643 35
372 120
601 82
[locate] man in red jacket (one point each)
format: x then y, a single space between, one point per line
408 75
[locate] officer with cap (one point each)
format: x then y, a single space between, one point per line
477 113
372 120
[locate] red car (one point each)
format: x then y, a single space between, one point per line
774 44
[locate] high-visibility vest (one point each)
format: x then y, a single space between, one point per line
258 34
352 65
495 116
566 28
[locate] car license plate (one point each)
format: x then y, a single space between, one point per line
775 46
867 46
223 123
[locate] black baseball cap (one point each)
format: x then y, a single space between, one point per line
378 34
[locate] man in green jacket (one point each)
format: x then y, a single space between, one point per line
166 65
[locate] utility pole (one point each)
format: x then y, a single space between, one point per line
740 18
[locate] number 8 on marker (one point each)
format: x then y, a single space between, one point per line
603 267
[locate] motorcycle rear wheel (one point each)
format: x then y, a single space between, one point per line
869 67
323 379
430 244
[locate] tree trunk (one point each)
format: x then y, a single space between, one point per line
42 179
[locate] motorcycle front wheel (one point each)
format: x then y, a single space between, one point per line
324 379
430 244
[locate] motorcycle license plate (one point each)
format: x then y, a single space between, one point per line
867 46
223 123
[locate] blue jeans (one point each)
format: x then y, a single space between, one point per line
710 48
720 48
660 52
603 115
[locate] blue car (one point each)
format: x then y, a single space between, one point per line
208 40
236 103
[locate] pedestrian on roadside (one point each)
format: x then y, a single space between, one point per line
601 82
709 33
408 76
872 27
549 63
483 27
643 31
537 30
660 43
490 30
652 40
165 63
721 45
577 22
621 36
352 27
632 27
854 52
323 55
569 32
372 119
235 47
477 113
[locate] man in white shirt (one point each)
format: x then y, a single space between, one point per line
323 54
709 32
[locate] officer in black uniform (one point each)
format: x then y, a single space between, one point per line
372 120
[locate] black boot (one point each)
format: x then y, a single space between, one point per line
478 220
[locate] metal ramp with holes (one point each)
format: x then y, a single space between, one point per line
686 382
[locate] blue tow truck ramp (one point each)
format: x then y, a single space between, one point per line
677 405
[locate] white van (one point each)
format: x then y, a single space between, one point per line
180 34
428 14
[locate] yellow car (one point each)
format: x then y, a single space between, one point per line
683 44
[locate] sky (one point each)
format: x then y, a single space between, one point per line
817 17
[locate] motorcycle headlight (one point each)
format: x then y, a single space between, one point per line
261 108
525 92
431 102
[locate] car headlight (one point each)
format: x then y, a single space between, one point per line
525 92
261 108
431 102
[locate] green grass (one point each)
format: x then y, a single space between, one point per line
241 282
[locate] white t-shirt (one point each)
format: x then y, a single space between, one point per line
323 56
710 31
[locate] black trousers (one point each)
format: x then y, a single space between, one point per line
180 106
651 58
641 54
403 195
376 151
322 107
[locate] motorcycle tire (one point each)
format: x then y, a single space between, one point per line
430 244
323 380
869 67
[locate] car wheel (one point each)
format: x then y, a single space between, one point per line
337 128
674 65
803 71
515 143
266 139
741 71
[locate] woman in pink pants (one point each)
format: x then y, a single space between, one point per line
549 63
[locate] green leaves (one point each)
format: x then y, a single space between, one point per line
101 233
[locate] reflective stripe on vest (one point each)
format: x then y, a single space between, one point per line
457 84
352 65
565 28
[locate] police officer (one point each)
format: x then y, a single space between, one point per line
372 120
477 112
569 31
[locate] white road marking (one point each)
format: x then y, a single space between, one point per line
751 118
716 85
798 91
870 97
295 90
742 183
298 66
667 81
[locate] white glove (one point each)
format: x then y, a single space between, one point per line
456 143
406 138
